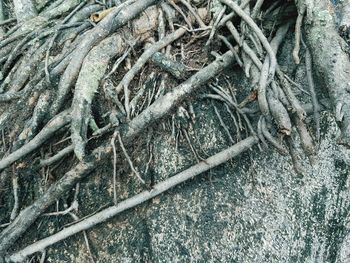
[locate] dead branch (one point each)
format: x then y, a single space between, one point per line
175 68
166 103
281 149
127 157
58 156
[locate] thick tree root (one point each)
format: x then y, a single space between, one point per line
331 61
92 71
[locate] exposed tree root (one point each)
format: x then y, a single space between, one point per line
164 105
77 66
92 71
330 59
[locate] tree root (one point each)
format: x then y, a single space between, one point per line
55 124
46 69
331 61
114 20
92 71
160 108
124 84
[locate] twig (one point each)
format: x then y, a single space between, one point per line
43 256
149 160
215 25
271 7
178 9
74 205
175 68
1 17
16 51
238 130
263 81
118 62
151 81
169 15
196 155
194 13
229 17
250 52
290 95
161 25
260 133
280 115
230 101
76 218
256 42
234 52
7 21
5 225
257 8
52 41
140 198
294 156
296 85
305 139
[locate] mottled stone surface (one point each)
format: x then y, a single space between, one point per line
251 209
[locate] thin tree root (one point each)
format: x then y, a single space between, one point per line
298 25
92 71
280 148
260 35
310 79
149 52
160 108
58 156
56 123
127 157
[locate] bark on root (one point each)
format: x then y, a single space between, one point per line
331 59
